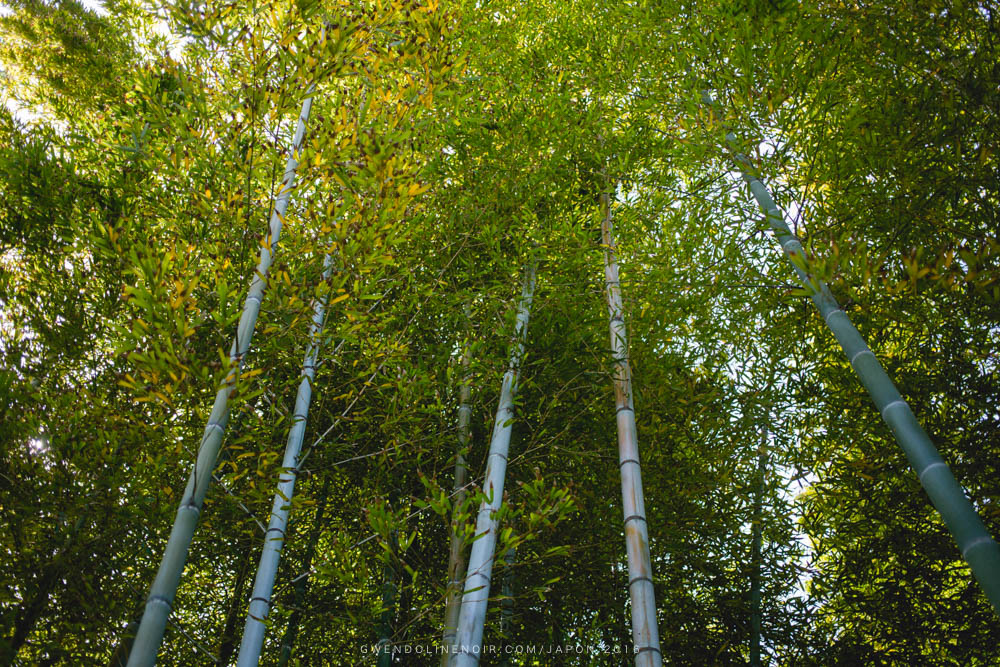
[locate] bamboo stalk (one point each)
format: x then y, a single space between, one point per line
274 539
755 554
453 594
645 634
388 604
974 542
472 615
161 593
507 603
302 582
227 646
120 657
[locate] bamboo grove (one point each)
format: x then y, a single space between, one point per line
455 333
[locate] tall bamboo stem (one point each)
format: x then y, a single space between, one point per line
274 538
507 604
388 604
455 560
755 553
120 657
227 646
302 581
974 541
472 615
645 634
161 593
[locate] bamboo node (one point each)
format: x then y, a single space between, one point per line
858 354
898 402
923 472
978 542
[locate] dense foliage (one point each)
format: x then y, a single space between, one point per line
450 145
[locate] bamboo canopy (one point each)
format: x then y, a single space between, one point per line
179 180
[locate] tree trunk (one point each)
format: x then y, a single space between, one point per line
35 603
645 634
974 541
32 608
557 634
472 615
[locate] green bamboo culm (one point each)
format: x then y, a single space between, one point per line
645 633
301 582
453 594
507 605
975 543
161 593
472 614
757 540
274 539
228 645
388 604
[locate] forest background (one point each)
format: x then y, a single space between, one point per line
451 145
